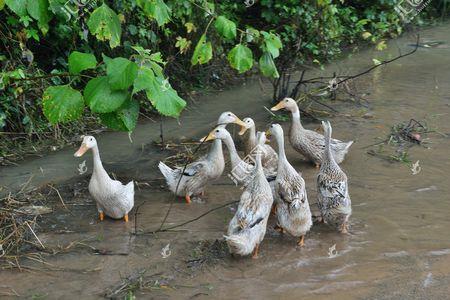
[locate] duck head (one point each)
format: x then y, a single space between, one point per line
89 142
248 123
287 103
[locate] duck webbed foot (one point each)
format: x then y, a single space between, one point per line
344 228
101 215
125 218
279 228
301 241
188 199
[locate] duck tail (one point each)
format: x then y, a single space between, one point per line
167 173
130 187
348 145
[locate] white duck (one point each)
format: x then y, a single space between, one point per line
247 229
198 174
292 207
240 169
113 198
269 156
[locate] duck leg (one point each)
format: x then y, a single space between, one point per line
344 228
101 215
125 218
279 228
188 199
317 165
301 241
255 252
273 211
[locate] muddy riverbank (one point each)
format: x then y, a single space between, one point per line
398 247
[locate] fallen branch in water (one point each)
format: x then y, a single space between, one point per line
189 221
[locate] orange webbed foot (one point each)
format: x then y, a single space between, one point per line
101 216
301 241
188 199
125 218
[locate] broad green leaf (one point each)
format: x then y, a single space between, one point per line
2 4
158 90
62 103
164 98
79 62
19 7
272 43
38 10
123 119
105 25
241 58
226 28
145 75
267 65
251 34
155 9
203 52
121 73
100 97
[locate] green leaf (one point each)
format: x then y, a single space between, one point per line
145 75
267 65
158 90
226 28
241 58
38 10
272 44
105 25
203 52
62 104
79 62
2 4
155 9
19 7
124 119
121 73
101 98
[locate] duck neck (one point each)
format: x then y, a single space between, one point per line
251 142
234 156
327 155
281 152
296 123
216 151
98 166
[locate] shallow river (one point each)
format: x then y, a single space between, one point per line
399 242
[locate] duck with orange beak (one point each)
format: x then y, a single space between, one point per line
192 179
269 155
308 142
113 198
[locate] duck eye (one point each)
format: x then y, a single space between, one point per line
229 115
217 130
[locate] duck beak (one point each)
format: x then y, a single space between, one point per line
279 106
239 122
268 134
209 137
243 129
83 148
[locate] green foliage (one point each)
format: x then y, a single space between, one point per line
121 73
79 62
101 98
137 34
267 65
62 104
105 25
225 28
203 52
155 9
241 58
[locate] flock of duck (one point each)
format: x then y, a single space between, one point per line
271 184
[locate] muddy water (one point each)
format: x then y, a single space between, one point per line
399 246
